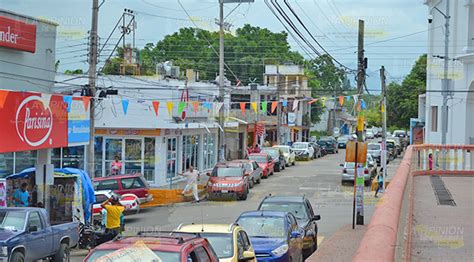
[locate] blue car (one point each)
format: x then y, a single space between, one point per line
275 235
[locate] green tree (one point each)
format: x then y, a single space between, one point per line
402 99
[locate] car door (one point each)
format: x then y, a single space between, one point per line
243 244
312 224
293 247
133 185
39 241
271 164
257 170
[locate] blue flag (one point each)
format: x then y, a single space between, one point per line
125 105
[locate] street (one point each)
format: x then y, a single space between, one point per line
319 180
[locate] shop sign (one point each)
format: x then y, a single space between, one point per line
32 121
17 35
78 130
291 119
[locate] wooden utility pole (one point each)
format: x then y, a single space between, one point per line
92 83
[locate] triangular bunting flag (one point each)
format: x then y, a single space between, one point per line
274 106
242 107
86 100
68 101
323 100
46 98
195 106
264 106
254 106
313 101
295 104
125 106
156 105
362 105
217 107
382 108
3 97
169 106
284 103
341 100
348 98
181 106
356 98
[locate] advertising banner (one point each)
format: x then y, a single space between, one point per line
291 119
3 193
78 124
17 35
32 121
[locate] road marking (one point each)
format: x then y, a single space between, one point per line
320 240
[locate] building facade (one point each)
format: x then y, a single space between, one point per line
461 73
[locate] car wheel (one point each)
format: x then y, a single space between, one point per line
64 253
17 257
244 195
259 180
294 162
277 168
251 183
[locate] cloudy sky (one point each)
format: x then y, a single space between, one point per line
333 22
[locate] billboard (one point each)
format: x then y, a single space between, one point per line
17 35
78 124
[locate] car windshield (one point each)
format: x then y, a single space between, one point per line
273 153
221 242
12 220
133 253
300 146
297 209
373 147
228 172
262 226
284 149
342 138
258 158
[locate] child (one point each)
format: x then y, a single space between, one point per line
430 161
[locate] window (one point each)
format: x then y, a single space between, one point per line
133 156
255 166
235 100
171 158
35 220
202 254
113 148
68 157
98 156
190 154
149 167
434 119
240 245
132 183
6 164
110 184
209 151
100 199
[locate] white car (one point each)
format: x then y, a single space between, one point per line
288 154
303 150
130 201
369 134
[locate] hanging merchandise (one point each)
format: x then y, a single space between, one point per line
169 106
341 100
254 106
274 106
68 101
86 100
156 105
264 106
242 107
295 104
125 106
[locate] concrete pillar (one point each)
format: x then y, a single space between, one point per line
43 158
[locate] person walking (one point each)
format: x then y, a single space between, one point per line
116 167
380 183
21 197
430 161
192 177
114 212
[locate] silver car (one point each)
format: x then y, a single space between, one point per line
370 171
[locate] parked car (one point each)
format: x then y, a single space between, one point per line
228 180
391 149
288 154
129 201
230 242
26 235
275 235
303 150
370 171
323 145
369 134
398 145
125 184
252 170
301 208
265 162
331 144
277 156
155 246
400 133
375 150
317 150
342 141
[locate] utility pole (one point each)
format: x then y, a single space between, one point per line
445 83
383 157
92 83
221 81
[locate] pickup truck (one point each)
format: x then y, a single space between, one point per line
26 235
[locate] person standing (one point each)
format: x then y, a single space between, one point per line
114 211
21 197
192 177
380 183
116 166
430 161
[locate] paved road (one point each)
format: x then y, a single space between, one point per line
319 180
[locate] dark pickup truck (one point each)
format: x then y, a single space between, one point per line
26 235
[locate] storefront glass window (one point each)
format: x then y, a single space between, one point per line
171 157
73 157
209 151
24 160
190 155
149 167
56 157
6 164
98 156
133 156
113 148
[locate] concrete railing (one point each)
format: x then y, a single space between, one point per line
388 236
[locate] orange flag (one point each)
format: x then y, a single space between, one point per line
312 101
195 106
86 100
274 106
242 107
156 105
341 100
3 97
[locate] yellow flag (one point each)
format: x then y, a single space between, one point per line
169 105
360 123
382 108
254 106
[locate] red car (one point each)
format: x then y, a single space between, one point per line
265 162
228 179
125 184
155 246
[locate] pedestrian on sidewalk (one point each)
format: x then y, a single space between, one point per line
380 184
430 161
192 177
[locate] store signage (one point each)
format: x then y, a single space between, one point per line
291 119
17 35
78 124
32 121
3 193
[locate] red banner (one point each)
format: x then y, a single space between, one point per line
17 35
32 121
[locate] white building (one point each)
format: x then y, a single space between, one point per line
461 72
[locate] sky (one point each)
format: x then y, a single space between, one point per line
332 22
